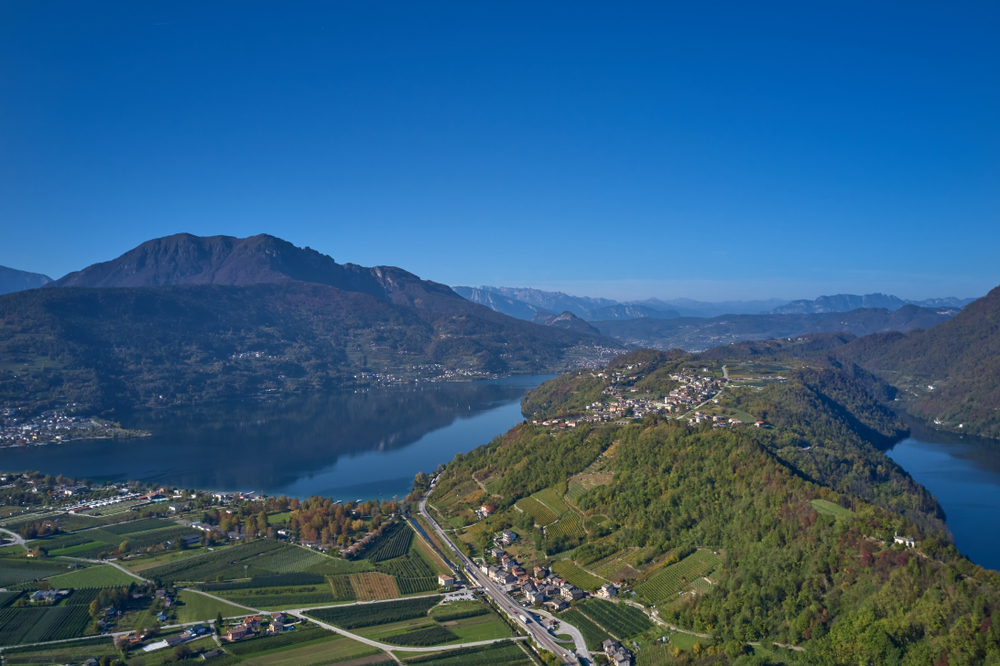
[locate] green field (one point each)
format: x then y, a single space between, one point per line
332 651
620 619
569 525
669 581
830 509
17 571
550 498
541 514
99 576
193 607
37 625
592 634
76 652
573 574
498 654
370 615
260 558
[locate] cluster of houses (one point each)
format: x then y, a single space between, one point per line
191 633
55 426
618 398
540 587
719 421
616 653
251 625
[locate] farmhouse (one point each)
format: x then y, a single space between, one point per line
445 581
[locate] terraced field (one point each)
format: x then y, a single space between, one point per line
541 514
569 525
551 498
620 619
571 573
669 581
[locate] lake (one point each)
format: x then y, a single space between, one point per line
349 445
963 472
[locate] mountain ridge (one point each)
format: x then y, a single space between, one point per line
14 280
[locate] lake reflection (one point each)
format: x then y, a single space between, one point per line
963 472
364 445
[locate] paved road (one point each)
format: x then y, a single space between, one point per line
504 602
18 541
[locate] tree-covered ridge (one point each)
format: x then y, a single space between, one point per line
794 570
109 348
959 358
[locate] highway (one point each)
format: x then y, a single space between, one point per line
508 605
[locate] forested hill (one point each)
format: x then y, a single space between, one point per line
749 534
109 348
960 359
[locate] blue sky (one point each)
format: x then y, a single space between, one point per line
727 150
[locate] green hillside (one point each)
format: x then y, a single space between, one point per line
738 532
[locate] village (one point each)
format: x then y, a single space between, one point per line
51 427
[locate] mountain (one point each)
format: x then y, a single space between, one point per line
532 299
12 280
566 321
699 334
618 312
691 308
848 302
865 321
949 372
184 319
498 302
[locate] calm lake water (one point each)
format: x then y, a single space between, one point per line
366 445
963 472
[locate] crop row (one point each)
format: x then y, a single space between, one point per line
671 580
371 615
497 654
569 525
13 572
394 542
551 498
577 576
620 619
228 562
291 559
37 625
540 514
412 566
138 526
445 615
593 636
273 580
435 635
415 585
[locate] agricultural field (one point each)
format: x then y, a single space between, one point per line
669 581
592 634
573 574
271 644
90 543
334 650
581 483
99 576
569 525
192 607
497 654
353 617
75 652
373 586
14 571
142 525
264 557
541 514
830 509
36 625
621 620
551 498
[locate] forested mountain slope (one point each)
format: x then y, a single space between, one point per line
110 347
793 555
960 359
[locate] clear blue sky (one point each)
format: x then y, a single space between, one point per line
725 150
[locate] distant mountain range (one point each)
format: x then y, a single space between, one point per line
12 280
184 319
523 303
848 302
